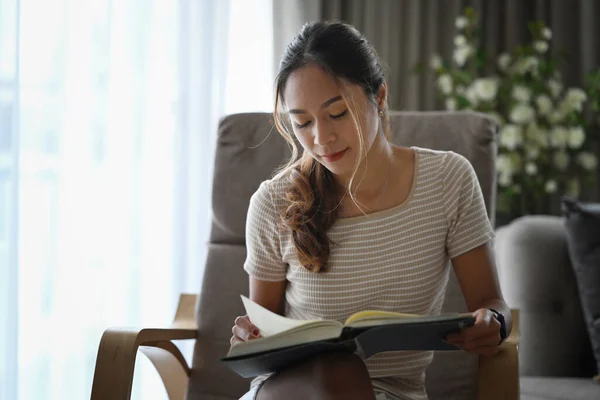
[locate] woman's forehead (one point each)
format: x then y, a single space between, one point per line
310 87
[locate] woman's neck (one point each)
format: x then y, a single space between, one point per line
373 174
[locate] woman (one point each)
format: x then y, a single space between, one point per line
358 223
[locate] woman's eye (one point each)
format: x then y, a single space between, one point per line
300 126
339 115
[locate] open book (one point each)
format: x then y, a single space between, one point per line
365 333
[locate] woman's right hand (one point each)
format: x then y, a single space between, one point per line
243 330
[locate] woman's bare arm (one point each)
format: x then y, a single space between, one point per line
270 295
478 281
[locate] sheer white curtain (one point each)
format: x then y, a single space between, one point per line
108 113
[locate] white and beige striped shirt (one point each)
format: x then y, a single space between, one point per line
394 260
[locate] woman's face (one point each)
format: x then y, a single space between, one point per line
322 122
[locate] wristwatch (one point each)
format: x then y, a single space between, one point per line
500 318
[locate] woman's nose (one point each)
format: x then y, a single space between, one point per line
323 134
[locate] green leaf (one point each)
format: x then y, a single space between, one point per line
462 102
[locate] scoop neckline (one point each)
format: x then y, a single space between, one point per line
397 207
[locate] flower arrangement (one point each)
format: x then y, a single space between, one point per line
543 146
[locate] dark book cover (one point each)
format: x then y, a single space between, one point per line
364 342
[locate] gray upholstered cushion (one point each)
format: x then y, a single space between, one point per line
583 239
536 277
248 151
556 388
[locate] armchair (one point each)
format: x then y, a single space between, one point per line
248 151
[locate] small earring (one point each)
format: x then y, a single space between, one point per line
381 113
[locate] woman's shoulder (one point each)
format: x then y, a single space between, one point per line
443 163
271 192
438 155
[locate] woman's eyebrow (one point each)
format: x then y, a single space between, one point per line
324 105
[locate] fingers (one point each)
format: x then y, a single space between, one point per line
243 330
482 338
235 340
245 324
473 345
485 326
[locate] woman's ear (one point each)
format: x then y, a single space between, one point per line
382 96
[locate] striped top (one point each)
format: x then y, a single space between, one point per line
393 260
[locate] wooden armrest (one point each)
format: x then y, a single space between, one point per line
113 374
498 376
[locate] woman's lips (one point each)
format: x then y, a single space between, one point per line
335 156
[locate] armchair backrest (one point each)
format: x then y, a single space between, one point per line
248 150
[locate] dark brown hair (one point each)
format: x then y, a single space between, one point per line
312 193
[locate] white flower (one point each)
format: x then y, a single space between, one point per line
505 179
587 160
551 186
450 104
531 168
540 46
547 33
544 104
521 93
522 114
505 168
559 137
436 62
576 137
561 160
573 101
461 54
460 40
555 88
471 95
445 83
486 88
504 61
575 98
525 65
461 22
504 164
511 136
577 95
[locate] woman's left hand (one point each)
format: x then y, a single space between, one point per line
482 338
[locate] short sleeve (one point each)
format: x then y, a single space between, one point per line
468 223
263 260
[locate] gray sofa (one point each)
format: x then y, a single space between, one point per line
555 357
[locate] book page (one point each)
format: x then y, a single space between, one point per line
375 318
374 315
267 321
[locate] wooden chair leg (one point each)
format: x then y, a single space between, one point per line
171 366
113 376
